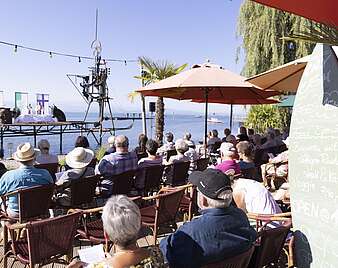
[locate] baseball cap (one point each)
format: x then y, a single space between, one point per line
210 182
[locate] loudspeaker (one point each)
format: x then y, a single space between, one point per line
152 107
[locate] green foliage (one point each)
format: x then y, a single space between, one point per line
99 153
263 30
261 117
153 71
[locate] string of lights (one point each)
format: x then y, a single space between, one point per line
51 53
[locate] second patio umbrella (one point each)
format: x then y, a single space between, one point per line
204 82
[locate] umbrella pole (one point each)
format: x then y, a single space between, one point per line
206 122
230 119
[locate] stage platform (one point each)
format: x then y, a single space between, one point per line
60 128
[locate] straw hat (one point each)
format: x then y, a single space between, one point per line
79 157
24 152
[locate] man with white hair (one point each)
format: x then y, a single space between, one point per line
23 177
221 232
228 156
111 144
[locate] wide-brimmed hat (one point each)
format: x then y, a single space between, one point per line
24 152
210 182
79 157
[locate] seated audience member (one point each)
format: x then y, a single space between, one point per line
251 132
44 157
281 162
192 155
270 140
251 196
121 223
82 141
242 130
141 148
116 163
111 145
187 139
181 148
23 177
232 139
228 156
3 168
169 144
221 232
242 137
214 138
151 160
78 160
257 141
278 138
227 132
245 152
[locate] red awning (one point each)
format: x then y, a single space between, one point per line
323 11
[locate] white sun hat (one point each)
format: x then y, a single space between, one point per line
24 152
79 157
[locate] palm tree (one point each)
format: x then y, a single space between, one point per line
152 72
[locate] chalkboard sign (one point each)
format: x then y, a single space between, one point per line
313 161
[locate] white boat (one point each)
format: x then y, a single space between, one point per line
214 120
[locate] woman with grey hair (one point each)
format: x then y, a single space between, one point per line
121 223
181 147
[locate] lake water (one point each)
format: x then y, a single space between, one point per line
176 123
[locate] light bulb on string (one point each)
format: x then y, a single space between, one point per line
50 55
79 59
125 63
16 48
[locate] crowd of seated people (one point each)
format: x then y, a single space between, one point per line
218 188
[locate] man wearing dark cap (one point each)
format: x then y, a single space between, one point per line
221 232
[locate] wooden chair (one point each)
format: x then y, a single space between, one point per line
47 240
202 164
163 212
51 167
177 173
252 174
188 204
152 178
123 183
271 241
82 191
239 261
33 203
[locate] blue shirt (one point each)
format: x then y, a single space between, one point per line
216 235
117 163
23 177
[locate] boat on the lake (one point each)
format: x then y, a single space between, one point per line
214 120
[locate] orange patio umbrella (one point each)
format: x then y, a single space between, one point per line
204 82
284 78
323 11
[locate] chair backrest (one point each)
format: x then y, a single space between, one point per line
167 206
271 243
83 190
51 167
239 261
260 157
170 153
34 202
202 164
152 177
180 173
123 183
93 163
51 237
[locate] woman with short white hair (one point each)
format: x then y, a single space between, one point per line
45 157
121 223
181 147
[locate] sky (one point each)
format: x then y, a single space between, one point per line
180 31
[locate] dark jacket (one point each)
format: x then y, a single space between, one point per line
215 236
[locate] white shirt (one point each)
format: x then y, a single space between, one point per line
257 198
